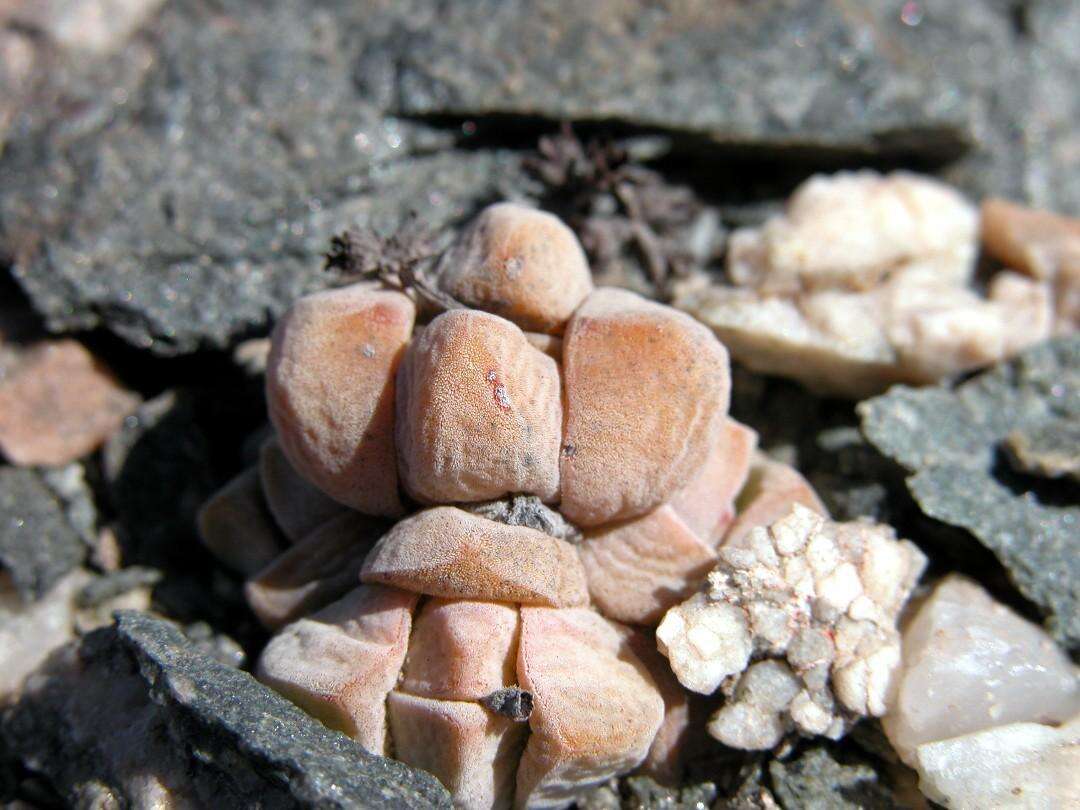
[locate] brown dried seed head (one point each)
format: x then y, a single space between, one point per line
330 391
461 650
479 412
447 552
340 663
596 708
520 263
646 392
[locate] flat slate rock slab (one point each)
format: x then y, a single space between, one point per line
811 79
136 711
954 442
789 74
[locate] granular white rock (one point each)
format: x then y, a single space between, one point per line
816 599
851 230
705 642
753 720
866 281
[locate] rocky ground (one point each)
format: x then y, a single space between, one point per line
169 183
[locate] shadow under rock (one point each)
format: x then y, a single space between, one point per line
158 470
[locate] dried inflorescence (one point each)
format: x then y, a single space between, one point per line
867 280
639 229
797 625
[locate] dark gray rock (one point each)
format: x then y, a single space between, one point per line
800 73
1016 66
235 716
801 78
950 440
184 189
182 192
135 711
37 543
851 477
644 793
1054 108
604 797
815 780
216 645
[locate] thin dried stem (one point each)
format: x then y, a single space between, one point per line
403 260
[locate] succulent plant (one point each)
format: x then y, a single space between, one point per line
551 488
